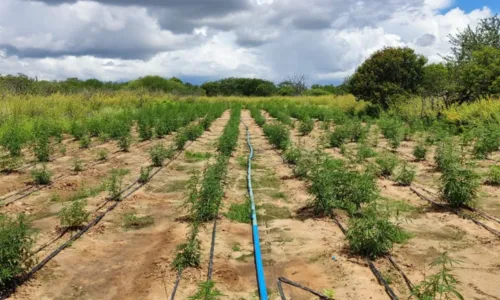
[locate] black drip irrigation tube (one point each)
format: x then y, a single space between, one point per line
94 222
455 211
282 280
41 187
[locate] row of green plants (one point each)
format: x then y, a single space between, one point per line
203 202
337 185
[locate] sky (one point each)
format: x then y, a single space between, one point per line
199 40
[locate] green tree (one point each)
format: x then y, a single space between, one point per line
388 73
435 83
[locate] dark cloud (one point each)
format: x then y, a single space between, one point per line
311 23
426 40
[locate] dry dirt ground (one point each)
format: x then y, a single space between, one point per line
435 231
112 262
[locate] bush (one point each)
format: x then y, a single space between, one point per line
364 152
115 183
394 130
488 141
494 175
278 135
41 176
405 175
145 174
420 152
158 154
16 255
306 126
77 165
387 162
74 215
189 253
335 186
373 235
446 155
459 185
124 142
351 131
10 164
42 149
85 142
292 155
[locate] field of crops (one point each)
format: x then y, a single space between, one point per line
146 198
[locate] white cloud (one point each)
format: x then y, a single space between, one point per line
119 40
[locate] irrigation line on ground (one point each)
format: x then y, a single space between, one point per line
282 280
373 268
94 222
261 281
455 211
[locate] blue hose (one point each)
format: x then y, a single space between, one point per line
261 281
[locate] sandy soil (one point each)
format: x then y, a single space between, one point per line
110 262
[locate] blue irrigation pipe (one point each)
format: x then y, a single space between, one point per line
261 280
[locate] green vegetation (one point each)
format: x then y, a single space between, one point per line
306 126
145 174
459 185
240 212
77 165
494 176
115 183
16 257
278 135
159 154
196 156
405 175
41 175
73 215
206 291
132 221
420 152
102 155
442 285
387 162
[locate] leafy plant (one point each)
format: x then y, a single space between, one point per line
387 162
10 164
145 174
132 221
42 149
115 183
459 185
158 154
446 155
188 254
306 126
240 212
364 152
124 142
74 215
405 175
85 142
442 285
206 291
41 175
373 235
292 155
16 256
494 175
420 152
278 135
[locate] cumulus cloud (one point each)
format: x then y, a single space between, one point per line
123 39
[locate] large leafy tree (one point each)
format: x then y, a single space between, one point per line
388 73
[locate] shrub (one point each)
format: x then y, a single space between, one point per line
42 149
494 175
442 285
306 126
189 253
145 174
420 152
335 186
41 176
115 183
446 155
124 142
487 142
364 152
278 135
292 155
387 163
405 175
158 154
16 255
131 221
85 142
372 235
74 215
10 164
459 185
13 138
394 130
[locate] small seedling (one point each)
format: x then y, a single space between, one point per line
114 185
124 142
494 176
420 152
306 126
405 175
85 142
158 154
145 174
102 155
387 163
77 165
